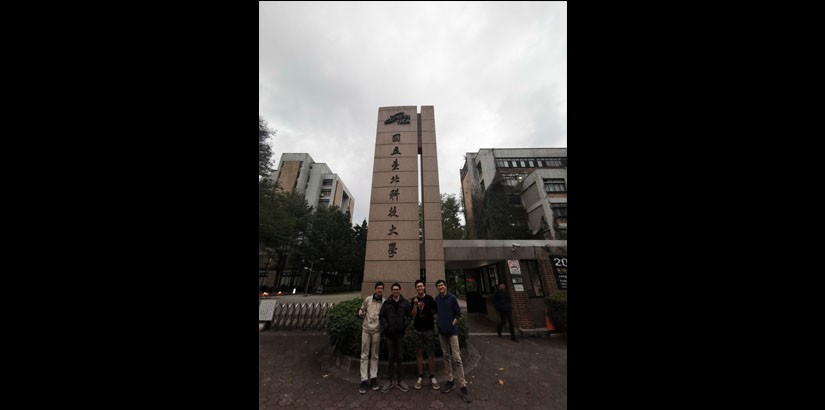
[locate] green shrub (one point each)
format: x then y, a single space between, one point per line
557 305
409 341
344 327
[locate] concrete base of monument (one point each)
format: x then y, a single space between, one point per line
349 368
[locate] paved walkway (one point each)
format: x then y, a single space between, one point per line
296 370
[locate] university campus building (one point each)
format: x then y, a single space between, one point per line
533 179
320 186
532 184
298 172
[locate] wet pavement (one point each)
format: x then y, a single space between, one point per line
298 370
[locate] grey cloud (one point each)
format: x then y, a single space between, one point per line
495 72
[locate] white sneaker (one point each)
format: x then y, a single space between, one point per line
418 383
434 382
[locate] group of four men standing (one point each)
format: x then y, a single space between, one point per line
392 316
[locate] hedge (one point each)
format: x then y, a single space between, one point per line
344 327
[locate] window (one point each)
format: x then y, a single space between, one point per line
535 279
491 282
511 179
327 182
325 193
323 202
502 163
560 220
554 185
555 162
532 279
559 210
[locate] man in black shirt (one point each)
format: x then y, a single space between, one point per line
423 310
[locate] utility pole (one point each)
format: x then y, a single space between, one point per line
306 289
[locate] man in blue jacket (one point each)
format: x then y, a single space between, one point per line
448 314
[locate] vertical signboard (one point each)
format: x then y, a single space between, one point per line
560 271
515 274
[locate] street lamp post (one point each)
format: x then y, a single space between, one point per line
306 289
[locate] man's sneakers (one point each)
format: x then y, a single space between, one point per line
387 387
402 386
363 387
464 395
374 383
420 382
450 385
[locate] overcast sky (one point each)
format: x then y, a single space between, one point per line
496 74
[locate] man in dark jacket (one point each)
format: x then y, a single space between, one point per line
395 317
505 310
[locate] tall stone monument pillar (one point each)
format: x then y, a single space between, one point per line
399 248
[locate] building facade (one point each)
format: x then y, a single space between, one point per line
526 190
532 270
298 172
533 179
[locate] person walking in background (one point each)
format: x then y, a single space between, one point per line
448 314
370 338
395 317
423 312
505 310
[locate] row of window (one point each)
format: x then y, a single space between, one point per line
555 185
532 163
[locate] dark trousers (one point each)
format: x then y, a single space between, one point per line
506 315
395 345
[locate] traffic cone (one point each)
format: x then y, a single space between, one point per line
550 326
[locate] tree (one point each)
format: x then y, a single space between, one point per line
264 149
282 220
328 235
359 249
498 216
450 224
